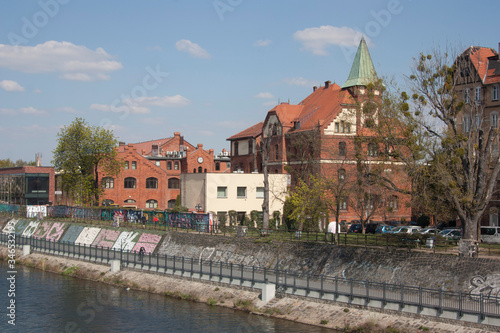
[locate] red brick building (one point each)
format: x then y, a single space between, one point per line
327 134
151 172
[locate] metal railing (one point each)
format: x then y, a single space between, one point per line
319 286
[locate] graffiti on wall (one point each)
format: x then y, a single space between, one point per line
42 231
55 231
20 226
59 211
106 238
126 241
72 233
88 235
148 241
30 228
488 286
8 227
36 211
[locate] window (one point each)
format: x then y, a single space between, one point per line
342 149
337 126
393 202
372 149
250 146
157 163
154 150
200 169
221 192
107 202
129 182
236 149
151 203
176 166
134 165
466 124
217 166
169 165
466 95
171 203
173 183
151 182
342 174
343 203
494 119
342 126
108 182
494 92
478 121
478 94
126 165
276 152
260 193
129 201
241 192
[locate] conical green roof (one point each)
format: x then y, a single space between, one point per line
362 70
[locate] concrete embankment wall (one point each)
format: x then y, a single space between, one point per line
449 272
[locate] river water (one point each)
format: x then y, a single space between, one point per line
47 302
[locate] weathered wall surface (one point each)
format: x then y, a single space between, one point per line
393 266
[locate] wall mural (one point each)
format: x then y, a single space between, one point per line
148 241
20 226
42 231
30 229
72 233
126 241
488 286
8 227
88 235
106 238
56 231
36 211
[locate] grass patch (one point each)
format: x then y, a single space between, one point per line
70 271
323 322
211 301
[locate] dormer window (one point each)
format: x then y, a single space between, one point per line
154 150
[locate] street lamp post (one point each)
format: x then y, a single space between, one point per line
198 207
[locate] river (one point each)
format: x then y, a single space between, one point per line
48 302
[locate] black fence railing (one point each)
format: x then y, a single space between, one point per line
325 287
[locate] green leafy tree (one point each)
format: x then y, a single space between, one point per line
82 153
7 163
308 204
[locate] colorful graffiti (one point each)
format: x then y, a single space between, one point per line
72 233
488 286
106 238
148 241
8 227
20 226
42 231
56 231
126 241
87 236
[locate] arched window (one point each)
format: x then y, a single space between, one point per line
205 170
151 182
169 165
200 169
393 202
342 149
108 182
107 202
129 182
194 170
129 201
173 183
151 203
171 203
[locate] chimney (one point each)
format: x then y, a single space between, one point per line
327 84
314 88
200 146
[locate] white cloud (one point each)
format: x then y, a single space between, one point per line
193 49
262 42
299 81
73 62
27 110
37 91
9 85
141 105
264 95
317 39
67 109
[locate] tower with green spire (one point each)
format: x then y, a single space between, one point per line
362 70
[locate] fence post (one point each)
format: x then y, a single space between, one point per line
460 309
182 270
241 279
253 276
211 263
220 271
321 292
231 274
265 278
192 267
481 306
420 302
351 291
402 296
174 265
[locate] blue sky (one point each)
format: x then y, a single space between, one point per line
207 69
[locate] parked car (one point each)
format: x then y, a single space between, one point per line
356 228
405 230
490 234
452 234
429 231
371 228
382 229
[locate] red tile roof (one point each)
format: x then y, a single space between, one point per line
487 69
251 132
